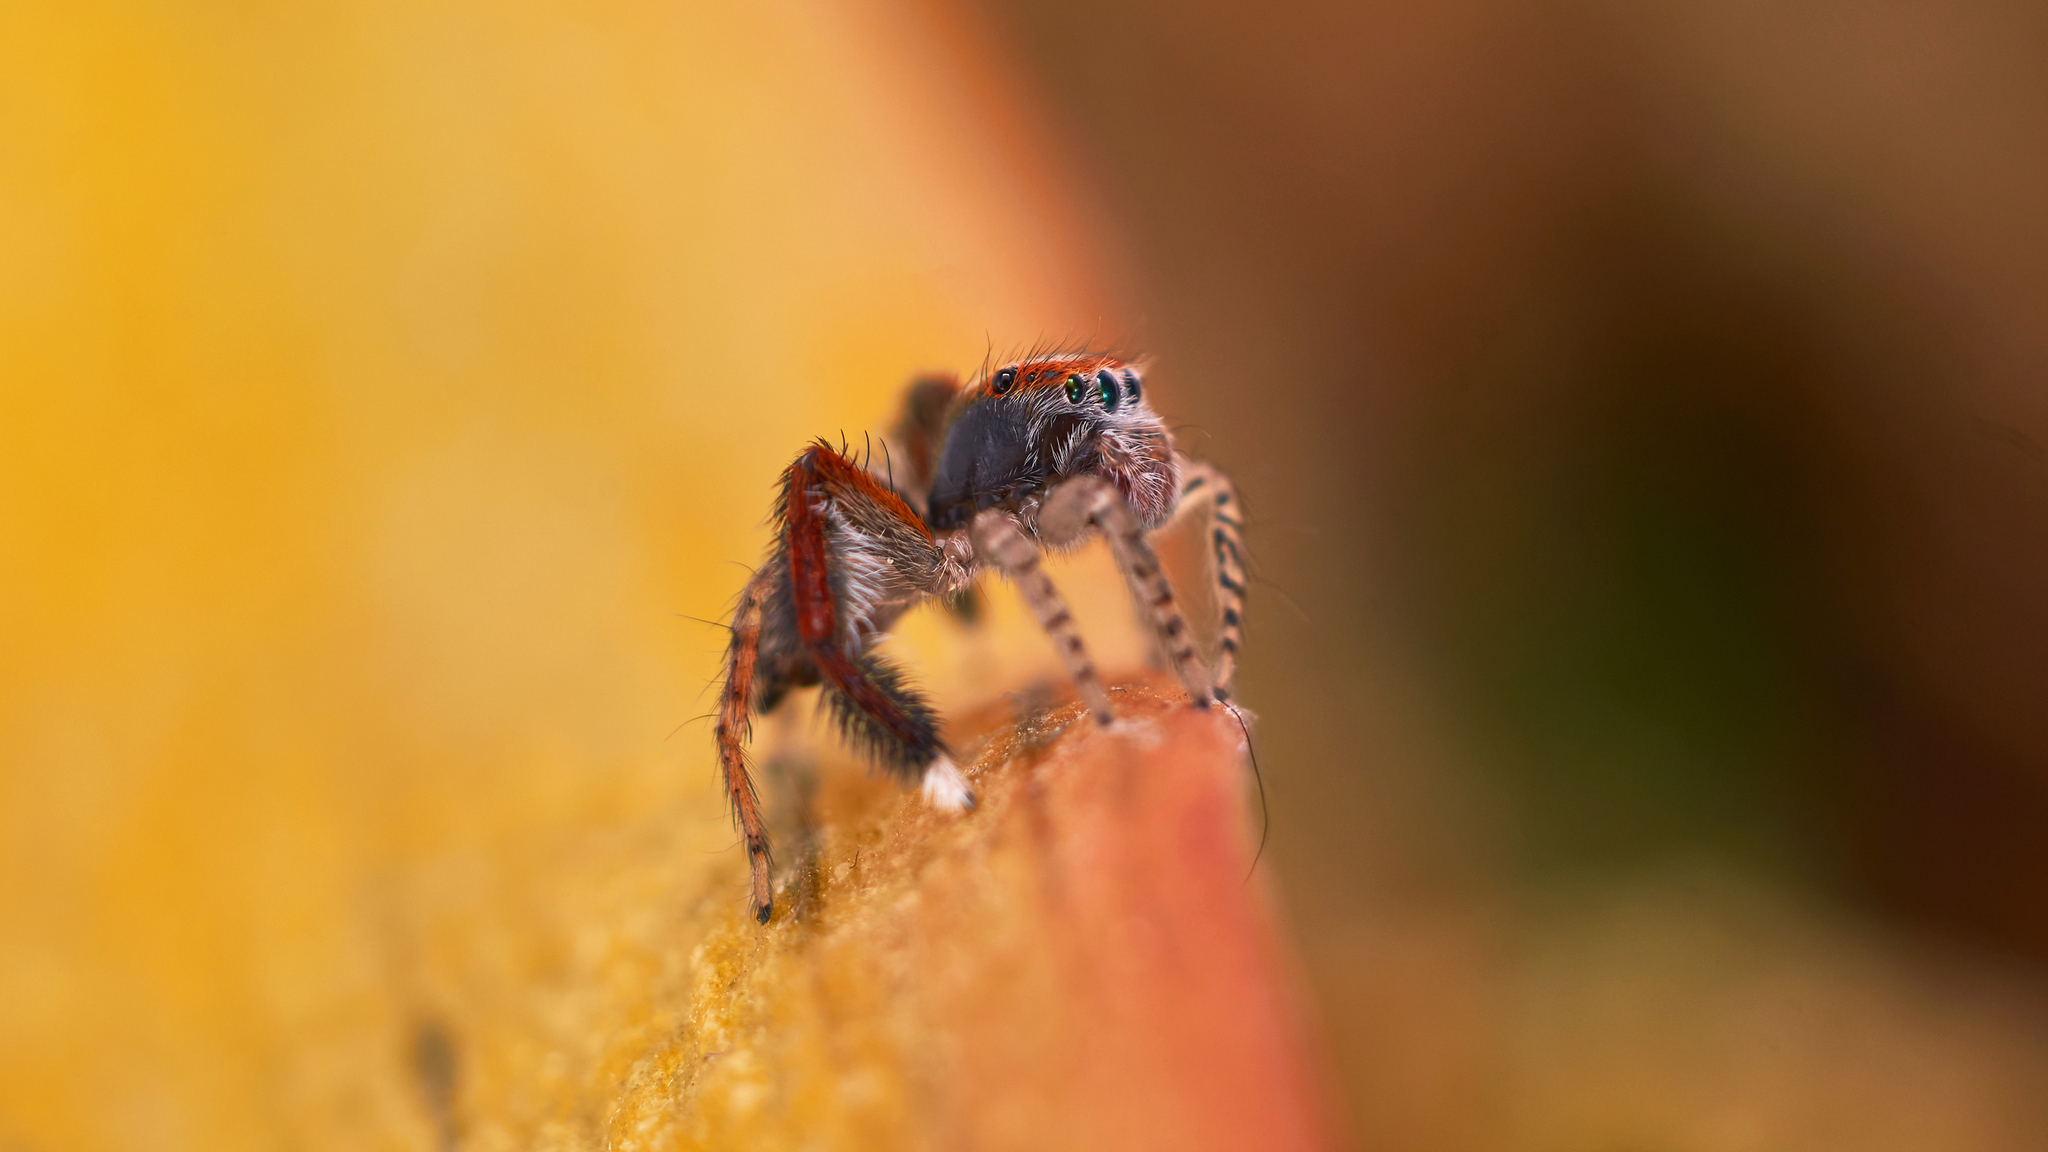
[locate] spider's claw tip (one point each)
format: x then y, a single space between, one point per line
761 913
945 787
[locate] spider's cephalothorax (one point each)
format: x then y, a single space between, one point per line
1035 454
1029 426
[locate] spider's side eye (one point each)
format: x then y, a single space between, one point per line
1076 388
1105 384
1003 381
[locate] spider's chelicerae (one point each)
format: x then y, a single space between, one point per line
1036 454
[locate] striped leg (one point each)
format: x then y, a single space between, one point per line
1207 484
734 726
998 539
1087 499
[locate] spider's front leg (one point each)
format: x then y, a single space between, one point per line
1067 514
998 539
850 556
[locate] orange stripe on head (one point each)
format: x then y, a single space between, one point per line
1037 374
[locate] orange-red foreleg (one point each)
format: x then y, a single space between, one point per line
734 727
867 695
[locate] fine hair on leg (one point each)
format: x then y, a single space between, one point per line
1208 484
876 709
998 539
735 702
1088 499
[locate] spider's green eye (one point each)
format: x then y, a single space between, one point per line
1105 386
1076 388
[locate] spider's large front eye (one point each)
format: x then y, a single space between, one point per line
1076 388
1105 385
1003 381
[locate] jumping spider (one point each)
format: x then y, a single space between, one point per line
1035 454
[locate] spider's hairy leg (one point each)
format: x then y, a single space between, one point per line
735 704
997 538
1086 500
1207 484
847 537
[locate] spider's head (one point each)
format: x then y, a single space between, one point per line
1027 425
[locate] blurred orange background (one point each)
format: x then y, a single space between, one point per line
1641 411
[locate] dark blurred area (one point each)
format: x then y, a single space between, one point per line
1658 391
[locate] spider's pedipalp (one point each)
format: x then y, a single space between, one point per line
1064 519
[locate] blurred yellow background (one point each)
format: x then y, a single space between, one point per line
381 382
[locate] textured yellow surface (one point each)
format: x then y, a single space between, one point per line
1079 962
378 383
